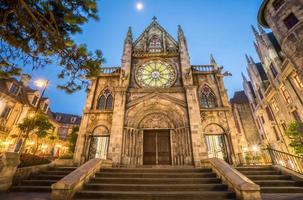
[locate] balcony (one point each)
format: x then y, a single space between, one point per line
203 68
110 71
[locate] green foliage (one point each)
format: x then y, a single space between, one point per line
37 124
38 33
295 133
73 139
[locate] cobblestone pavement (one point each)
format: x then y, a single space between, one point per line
25 196
282 196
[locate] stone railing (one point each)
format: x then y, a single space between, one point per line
203 68
244 188
110 70
65 188
8 165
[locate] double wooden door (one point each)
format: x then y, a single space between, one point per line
156 147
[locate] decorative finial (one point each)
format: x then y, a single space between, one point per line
243 77
256 33
261 30
212 59
154 18
247 59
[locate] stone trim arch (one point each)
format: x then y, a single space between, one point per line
105 99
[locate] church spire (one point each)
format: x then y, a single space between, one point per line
129 35
247 59
212 60
254 30
261 30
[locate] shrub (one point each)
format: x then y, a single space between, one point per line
31 160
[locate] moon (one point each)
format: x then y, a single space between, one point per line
139 6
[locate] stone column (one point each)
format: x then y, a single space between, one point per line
115 142
8 167
198 144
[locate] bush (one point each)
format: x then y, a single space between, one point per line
31 160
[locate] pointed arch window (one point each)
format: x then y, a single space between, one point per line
155 44
208 98
105 101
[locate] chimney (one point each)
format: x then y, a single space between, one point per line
25 78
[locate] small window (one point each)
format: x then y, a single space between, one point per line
277 4
274 105
262 119
276 133
73 119
155 44
14 89
58 117
105 101
296 116
35 100
285 94
45 107
273 70
298 81
260 93
269 114
290 21
5 113
208 98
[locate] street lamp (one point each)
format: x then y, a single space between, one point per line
41 84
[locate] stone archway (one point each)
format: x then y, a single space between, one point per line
156 114
98 143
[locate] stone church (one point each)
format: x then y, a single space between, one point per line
158 108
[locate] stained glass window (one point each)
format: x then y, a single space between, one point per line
105 101
155 44
207 97
156 74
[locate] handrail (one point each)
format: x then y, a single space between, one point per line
203 68
110 70
270 156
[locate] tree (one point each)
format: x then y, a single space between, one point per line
37 124
73 139
39 33
295 133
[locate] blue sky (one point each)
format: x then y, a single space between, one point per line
220 27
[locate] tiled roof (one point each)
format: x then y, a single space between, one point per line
66 118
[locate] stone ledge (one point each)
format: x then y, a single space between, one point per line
244 188
65 188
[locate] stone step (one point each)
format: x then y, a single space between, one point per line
261 172
155 187
276 183
188 180
155 175
46 177
261 168
282 189
268 177
38 182
156 170
165 195
57 172
31 188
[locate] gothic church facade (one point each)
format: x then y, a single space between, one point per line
157 108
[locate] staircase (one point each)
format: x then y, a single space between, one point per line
42 181
271 180
156 184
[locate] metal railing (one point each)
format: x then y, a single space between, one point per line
202 68
270 156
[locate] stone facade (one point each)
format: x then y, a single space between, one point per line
245 122
274 89
190 102
285 19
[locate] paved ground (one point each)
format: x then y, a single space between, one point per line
282 196
25 196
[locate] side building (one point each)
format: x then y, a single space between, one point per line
17 101
274 90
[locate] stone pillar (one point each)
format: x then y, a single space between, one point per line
198 144
8 167
115 142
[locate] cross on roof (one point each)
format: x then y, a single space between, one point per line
154 18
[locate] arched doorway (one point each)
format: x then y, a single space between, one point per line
216 142
98 143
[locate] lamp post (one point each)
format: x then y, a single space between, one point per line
41 84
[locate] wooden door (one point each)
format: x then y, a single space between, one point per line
156 147
163 144
149 148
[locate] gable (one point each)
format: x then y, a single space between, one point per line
154 40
